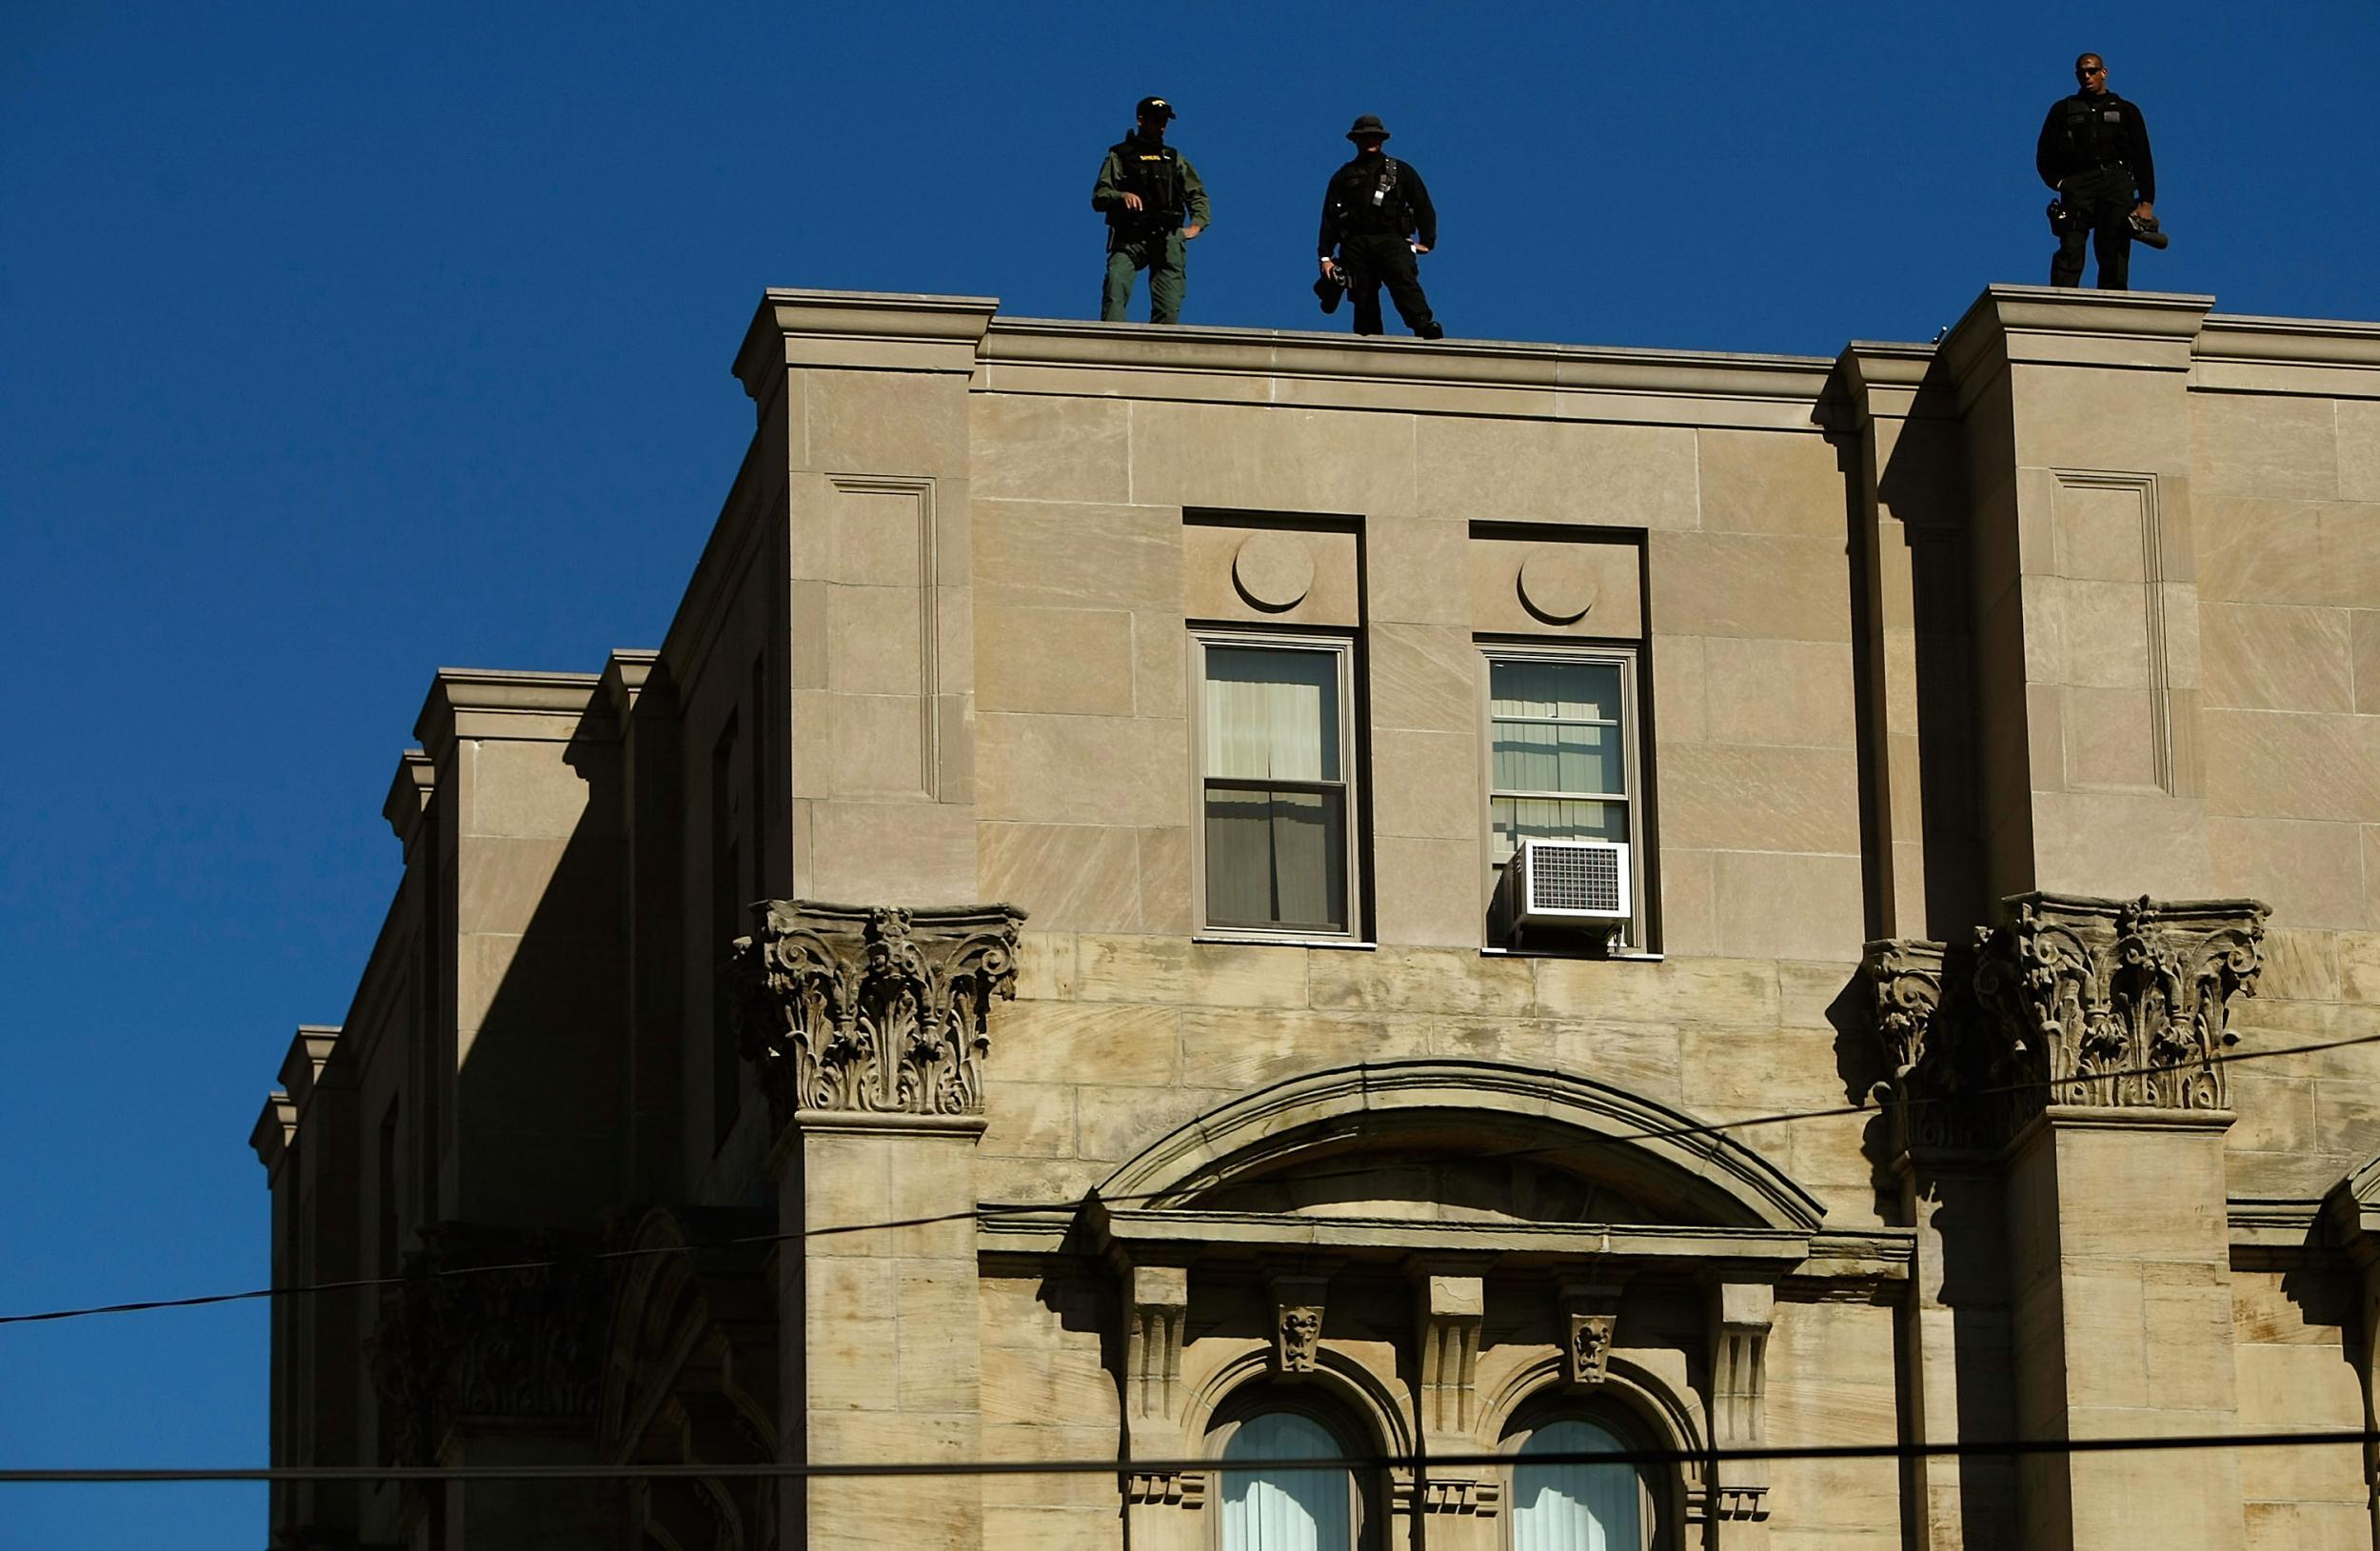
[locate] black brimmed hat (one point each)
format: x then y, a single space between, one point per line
1368 127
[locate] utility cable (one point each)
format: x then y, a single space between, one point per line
994 1209
2015 1447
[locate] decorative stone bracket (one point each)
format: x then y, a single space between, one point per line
2069 1001
872 1008
1160 1299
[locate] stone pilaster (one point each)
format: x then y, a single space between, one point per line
2109 1022
1742 1314
1449 1308
870 1027
2057 1101
1943 1125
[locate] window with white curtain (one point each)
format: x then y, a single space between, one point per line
1275 727
1568 1504
1268 1508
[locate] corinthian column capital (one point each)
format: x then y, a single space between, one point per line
872 1008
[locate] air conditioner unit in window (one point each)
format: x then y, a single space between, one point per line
1577 884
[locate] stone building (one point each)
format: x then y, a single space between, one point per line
1973 751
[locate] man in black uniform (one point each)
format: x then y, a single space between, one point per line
2095 152
1370 209
1154 204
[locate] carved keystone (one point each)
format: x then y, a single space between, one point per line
1590 1318
872 1008
1297 1323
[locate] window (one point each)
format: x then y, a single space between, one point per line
1570 1506
1275 795
1264 1508
1562 766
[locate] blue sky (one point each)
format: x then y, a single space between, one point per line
340 342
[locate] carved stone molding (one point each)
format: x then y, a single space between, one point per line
2119 1006
1464 1496
872 1008
1297 1323
518 1340
1169 1488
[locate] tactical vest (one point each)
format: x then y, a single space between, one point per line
2094 129
1156 176
1371 201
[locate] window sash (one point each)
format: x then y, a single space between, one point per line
1526 726
1275 800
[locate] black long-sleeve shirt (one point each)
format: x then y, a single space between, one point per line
1349 209
2084 131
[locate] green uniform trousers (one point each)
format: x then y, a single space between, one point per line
1159 252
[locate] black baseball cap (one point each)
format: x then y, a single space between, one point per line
1148 105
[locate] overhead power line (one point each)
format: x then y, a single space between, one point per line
991 1210
2015 1447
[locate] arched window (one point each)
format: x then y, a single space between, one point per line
1563 1505
1268 1508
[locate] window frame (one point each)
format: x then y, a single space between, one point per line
1658 1518
1367 1490
1628 658
1341 646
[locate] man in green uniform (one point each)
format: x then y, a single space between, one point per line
1155 206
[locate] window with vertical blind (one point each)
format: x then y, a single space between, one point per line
1569 1505
1261 1506
1560 766
1274 735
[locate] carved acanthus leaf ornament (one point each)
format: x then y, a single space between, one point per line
522 1337
2069 1001
2120 1006
872 1008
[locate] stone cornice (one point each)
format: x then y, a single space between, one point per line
880 330
2054 326
504 703
274 1130
409 791
309 1054
1332 370
872 1009
624 678
2319 356
1135 1231
1890 380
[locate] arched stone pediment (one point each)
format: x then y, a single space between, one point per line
1461 1142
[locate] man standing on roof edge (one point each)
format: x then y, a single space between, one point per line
2094 151
1378 214
1154 205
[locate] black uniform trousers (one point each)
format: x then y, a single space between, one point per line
2098 209
1372 261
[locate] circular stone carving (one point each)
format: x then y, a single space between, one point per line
1274 571
1556 584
